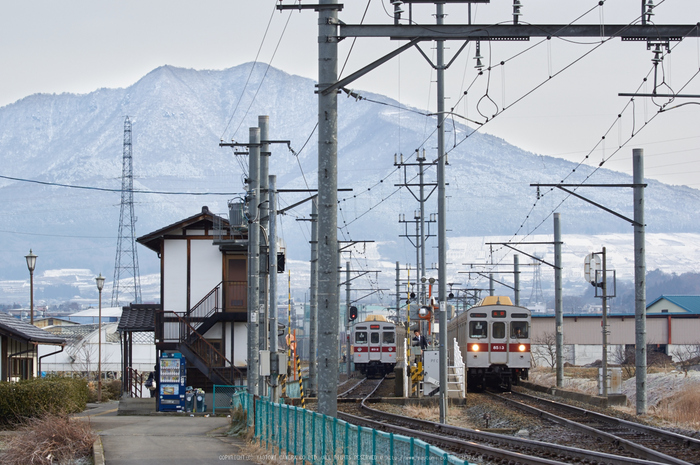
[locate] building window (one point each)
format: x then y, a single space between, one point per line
22 368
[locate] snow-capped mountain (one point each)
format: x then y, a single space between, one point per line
179 117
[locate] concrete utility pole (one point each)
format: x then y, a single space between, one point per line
313 300
640 290
347 317
272 265
254 385
328 209
639 267
604 286
398 293
419 218
423 238
263 206
516 278
442 215
558 301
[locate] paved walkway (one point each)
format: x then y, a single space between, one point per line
156 439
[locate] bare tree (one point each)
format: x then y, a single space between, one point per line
544 349
686 356
85 359
623 355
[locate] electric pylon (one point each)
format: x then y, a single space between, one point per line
536 296
126 264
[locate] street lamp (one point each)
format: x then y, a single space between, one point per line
31 263
100 280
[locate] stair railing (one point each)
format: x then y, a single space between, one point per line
205 350
135 382
207 306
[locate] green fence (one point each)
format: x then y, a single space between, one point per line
304 435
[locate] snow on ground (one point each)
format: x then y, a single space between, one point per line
661 386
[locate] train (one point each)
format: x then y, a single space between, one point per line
494 340
374 346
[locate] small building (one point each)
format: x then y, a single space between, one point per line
203 294
19 342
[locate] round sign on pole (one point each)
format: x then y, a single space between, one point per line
591 264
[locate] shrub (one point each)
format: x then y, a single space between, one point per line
112 389
49 439
34 397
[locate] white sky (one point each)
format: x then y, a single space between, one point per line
78 46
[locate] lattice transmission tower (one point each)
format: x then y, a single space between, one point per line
536 296
127 282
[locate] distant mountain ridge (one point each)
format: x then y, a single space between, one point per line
179 116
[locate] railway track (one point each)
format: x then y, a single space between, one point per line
363 389
482 446
634 438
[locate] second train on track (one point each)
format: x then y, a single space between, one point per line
494 340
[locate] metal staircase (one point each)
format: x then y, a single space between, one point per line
187 332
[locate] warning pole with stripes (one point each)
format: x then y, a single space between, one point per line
301 382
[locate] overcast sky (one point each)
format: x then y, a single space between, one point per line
78 46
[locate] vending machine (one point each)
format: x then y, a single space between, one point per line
172 379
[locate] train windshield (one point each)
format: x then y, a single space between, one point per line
499 330
360 337
374 338
518 330
478 329
388 337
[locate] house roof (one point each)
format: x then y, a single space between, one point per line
138 318
689 303
204 219
25 332
73 333
95 311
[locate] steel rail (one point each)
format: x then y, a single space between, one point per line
666 435
343 394
490 454
473 441
632 447
531 446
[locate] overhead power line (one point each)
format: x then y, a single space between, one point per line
106 189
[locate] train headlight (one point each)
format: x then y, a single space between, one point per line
475 348
521 347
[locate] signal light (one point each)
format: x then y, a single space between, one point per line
353 313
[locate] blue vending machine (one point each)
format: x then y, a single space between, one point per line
171 388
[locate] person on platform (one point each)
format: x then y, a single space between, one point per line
151 383
419 340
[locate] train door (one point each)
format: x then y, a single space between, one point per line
499 343
375 345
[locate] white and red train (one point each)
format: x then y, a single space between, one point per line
494 339
374 343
